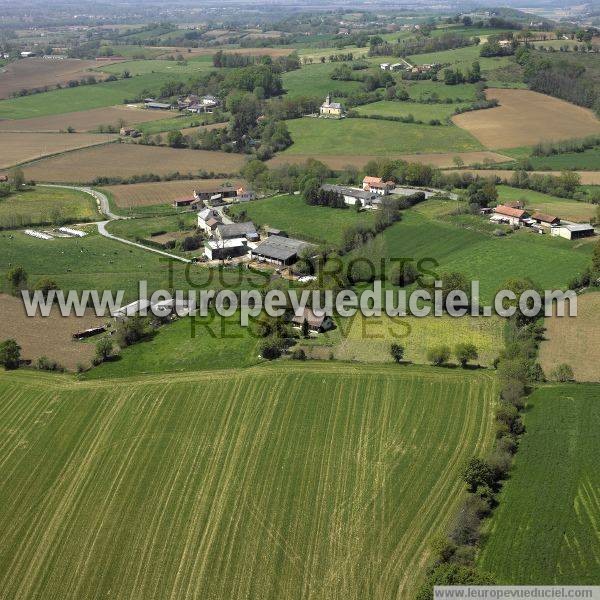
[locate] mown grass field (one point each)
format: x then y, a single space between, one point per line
315 80
82 97
42 205
545 530
368 340
420 111
292 214
368 136
95 262
325 480
571 210
421 90
587 160
171 67
479 255
460 58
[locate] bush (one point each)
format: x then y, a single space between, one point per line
465 352
478 472
131 331
10 354
562 373
44 363
397 352
438 355
270 349
299 354
104 348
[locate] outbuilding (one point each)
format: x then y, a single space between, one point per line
316 323
224 249
279 250
573 231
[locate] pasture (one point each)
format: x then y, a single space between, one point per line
38 73
237 483
136 195
545 529
571 210
197 65
420 111
525 118
83 97
84 120
587 177
320 224
460 58
368 340
125 160
478 255
18 148
46 206
47 336
588 160
421 91
95 262
574 340
356 137
315 80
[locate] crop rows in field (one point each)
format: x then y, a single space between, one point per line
325 481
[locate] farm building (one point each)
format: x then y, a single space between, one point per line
353 196
279 250
244 195
269 231
223 249
134 308
512 216
331 109
377 185
316 323
157 106
208 220
230 231
573 231
221 192
178 202
545 220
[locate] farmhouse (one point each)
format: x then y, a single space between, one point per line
279 250
377 185
354 196
244 195
545 220
224 249
208 220
331 109
573 231
512 216
236 230
316 323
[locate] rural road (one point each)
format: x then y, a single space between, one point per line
104 208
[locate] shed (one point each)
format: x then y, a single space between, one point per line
317 323
280 250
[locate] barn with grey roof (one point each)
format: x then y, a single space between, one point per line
280 250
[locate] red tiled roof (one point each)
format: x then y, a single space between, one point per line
544 217
507 211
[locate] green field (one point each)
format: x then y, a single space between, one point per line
368 340
82 97
313 223
141 228
545 530
422 90
589 160
491 260
460 58
572 210
321 478
367 136
420 111
315 80
46 206
171 124
95 262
